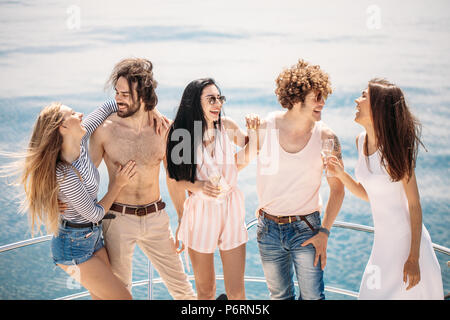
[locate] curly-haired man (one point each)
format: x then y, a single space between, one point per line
139 212
291 234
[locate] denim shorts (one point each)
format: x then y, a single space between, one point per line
74 246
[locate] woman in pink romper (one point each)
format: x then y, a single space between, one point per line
201 157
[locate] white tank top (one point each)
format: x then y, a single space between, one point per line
288 183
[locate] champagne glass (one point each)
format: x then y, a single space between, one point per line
215 178
327 151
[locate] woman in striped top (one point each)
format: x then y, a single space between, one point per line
214 213
57 165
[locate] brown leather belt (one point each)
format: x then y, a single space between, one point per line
286 219
139 211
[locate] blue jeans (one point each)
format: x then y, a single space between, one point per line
74 246
281 251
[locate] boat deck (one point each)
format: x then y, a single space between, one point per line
151 282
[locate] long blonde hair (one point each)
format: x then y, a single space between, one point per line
37 169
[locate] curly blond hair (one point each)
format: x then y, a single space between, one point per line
295 83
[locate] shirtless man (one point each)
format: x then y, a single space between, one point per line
139 212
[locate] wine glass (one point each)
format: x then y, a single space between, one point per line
327 151
215 178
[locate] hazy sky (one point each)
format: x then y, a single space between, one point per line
62 47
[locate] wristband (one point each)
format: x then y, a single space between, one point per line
324 230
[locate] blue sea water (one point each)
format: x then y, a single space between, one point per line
65 50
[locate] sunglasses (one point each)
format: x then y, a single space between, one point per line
212 99
319 97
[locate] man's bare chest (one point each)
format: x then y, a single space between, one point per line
293 143
146 147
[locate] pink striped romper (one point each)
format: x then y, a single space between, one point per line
208 222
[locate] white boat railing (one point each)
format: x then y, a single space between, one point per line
151 281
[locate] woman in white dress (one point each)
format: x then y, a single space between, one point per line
402 264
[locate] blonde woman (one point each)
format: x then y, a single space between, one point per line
57 166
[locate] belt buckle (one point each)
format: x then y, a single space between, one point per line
281 223
136 212
279 220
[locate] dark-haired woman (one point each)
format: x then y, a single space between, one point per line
402 264
207 166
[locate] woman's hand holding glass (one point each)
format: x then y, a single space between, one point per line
334 166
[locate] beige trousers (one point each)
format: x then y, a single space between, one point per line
152 233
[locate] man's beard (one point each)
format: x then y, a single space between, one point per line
129 111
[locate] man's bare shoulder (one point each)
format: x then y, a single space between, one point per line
277 117
327 132
109 123
104 130
229 123
263 124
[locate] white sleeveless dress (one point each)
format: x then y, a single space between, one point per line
383 276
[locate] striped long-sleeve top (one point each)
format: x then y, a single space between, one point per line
80 195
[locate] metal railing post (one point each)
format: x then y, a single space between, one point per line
150 280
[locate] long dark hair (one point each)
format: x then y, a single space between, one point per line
397 130
189 111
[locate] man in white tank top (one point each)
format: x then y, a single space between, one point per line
290 232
